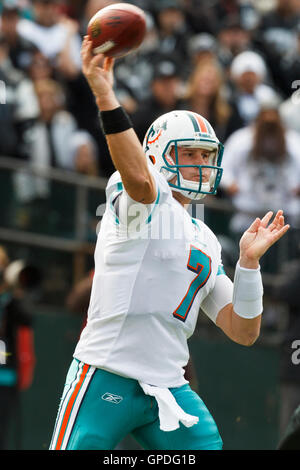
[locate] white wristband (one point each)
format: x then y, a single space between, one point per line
247 292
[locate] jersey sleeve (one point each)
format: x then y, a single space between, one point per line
130 213
219 297
221 294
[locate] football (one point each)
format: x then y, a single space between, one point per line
117 29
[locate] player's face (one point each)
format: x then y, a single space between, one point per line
194 156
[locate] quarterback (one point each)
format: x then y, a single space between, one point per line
127 373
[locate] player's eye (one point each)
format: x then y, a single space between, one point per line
188 153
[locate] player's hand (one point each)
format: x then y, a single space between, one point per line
98 71
259 237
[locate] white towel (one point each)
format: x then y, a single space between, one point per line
169 412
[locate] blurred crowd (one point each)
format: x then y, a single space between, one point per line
236 62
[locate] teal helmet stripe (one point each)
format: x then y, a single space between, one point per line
194 122
209 130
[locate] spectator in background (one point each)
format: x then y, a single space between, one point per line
248 73
277 39
54 35
277 28
245 10
54 128
84 158
67 64
9 141
287 75
200 16
290 110
262 169
20 49
208 16
17 357
202 46
206 95
56 143
75 8
50 148
39 67
19 109
165 94
172 28
233 38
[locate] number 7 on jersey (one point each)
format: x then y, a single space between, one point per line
200 263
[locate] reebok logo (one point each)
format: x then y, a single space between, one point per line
112 398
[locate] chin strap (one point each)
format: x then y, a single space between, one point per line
192 186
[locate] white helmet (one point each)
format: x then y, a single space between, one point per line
185 129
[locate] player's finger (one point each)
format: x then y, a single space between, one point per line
85 42
280 233
254 226
278 215
280 221
86 50
266 219
277 222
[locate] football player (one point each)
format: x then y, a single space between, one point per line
155 266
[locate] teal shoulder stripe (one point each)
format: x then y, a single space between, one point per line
155 204
221 270
119 189
195 223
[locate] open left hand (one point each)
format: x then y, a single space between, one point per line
260 237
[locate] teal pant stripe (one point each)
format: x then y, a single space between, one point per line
71 378
113 407
77 382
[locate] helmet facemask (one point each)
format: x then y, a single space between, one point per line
193 189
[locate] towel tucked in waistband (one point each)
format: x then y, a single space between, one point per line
170 413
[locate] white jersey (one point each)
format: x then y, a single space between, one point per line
154 268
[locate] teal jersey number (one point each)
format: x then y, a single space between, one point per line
200 263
